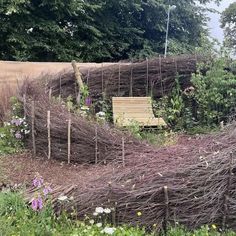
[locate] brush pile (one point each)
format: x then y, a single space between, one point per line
191 183
152 77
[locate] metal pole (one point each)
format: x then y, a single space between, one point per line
167 30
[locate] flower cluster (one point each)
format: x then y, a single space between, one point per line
102 212
43 190
19 127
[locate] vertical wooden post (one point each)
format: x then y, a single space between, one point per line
33 127
96 145
24 104
88 74
131 82
102 80
69 139
165 226
226 195
160 71
60 90
123 151
50 94
147 84
119 81
49 133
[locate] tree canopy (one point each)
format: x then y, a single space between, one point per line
97 30
228 23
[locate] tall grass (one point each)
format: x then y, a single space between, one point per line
6 92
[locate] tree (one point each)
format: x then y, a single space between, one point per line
228 23
97 30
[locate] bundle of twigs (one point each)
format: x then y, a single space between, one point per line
151 77
189 190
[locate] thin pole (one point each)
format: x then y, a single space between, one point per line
167 30
96 145
123 151
33 127
119 82
69 139
49 133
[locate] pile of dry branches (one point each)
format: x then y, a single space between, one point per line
152 77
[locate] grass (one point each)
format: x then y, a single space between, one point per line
18 219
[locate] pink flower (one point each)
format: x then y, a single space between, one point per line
47 190
34 204
18 135
38 181
40 203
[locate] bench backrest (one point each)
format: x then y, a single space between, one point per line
132 108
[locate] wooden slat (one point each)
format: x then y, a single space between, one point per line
127 110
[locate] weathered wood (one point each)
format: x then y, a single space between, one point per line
49 133
69 140
33 127
96 145
130 110
123 151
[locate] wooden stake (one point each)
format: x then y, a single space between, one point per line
147 77
96 145
119 82
123 151
69 139
49 133
131 82
226 195
102 79
24 104
33 127
165 226
50 94
162 89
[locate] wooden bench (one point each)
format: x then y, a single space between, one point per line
130 110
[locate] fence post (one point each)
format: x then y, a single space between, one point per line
131 82
49 133
119 82
33 127
226 195
160 71
50 94
69 139
24 104
96 145
123 151
147 84
166 217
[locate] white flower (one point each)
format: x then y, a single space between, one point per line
91 222
99 225
62 198
108 230
95 213
99 210
30 30
101 114
107 211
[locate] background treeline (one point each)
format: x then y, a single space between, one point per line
97 30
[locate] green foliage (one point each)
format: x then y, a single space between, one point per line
13 133
16 218
228 23
215 93
46 30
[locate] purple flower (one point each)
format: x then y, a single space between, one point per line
34 204
18 135
88 101
47 190
40 203
38 181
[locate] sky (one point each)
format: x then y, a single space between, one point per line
214 23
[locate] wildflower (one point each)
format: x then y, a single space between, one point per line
38 181
108 230
34 204
40 203
213 226
107 211
99 225
18 135
99 210
139 213
62 198
88 101
47 190
95 213
91 222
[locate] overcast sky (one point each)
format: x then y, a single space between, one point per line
214 23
